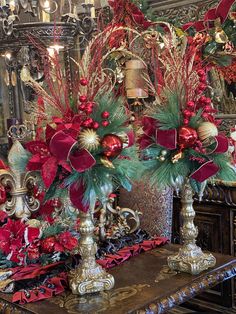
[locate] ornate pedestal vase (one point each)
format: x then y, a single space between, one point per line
190 258
89 277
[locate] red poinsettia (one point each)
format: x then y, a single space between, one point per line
66 242
12 236
60 243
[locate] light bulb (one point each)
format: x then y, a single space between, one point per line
46 5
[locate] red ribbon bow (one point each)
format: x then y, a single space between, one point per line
221 11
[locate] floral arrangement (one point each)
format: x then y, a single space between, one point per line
87 146
34 241
218 30
180 132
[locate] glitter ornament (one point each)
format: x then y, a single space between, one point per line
206 130
89 139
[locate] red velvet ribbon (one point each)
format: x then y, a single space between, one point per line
61 146
165 138
205 171
60 281
112 260
221 11
76 192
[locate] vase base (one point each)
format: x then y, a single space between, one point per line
192 260
83 281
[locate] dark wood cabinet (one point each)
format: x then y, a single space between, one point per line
216 222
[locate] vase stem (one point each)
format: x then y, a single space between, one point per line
190 257
89 277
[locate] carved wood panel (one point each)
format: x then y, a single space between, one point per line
181 11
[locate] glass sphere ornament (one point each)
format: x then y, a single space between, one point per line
187 137
112 145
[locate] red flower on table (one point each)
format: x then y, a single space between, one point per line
33 250
66 242
12 236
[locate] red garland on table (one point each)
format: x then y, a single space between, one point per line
22 244
57 284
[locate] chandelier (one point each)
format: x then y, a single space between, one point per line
46 19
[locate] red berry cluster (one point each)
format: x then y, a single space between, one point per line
87 107
189 112
202 81
105 115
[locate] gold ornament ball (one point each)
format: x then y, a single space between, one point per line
88 139
164 152
207 130
162 158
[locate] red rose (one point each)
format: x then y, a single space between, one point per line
48 244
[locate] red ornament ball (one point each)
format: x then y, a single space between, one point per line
47 245
201 73
83 98
82 107
105 115
83 81
3 195
208 101
87 123
187 137
190 104
112 145
187 113
186 121
95 125
89 110
105 123
208 108
202 79
202 87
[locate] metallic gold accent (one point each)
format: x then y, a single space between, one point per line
135 84
115 222
89 277
18 132
107 163
106 300
190 258
89 139
22 203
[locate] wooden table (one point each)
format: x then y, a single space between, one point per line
144 284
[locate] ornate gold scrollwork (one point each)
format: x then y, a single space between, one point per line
21 202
